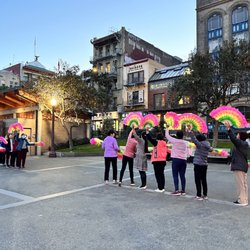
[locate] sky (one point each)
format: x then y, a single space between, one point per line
62 29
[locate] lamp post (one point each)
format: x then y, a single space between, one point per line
52 152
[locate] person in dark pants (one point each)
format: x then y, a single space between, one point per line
128 158
179 155
111 149
22 149
158 159
9 150
2 154
200 162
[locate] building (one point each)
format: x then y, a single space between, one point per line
159 100
136 77
223 20
16 105
219 21
30 71
111 52
8 79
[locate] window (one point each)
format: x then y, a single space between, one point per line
136 77
107 50
101 67
108 68
100 52
136 97
240 23
159 101
245 111
214 27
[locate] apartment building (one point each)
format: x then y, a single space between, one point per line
223 20
111 52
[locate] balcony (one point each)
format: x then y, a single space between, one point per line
135 82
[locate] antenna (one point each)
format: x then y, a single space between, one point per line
35 55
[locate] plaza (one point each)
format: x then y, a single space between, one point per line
62 203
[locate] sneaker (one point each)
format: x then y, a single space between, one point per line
115 182
119 183
205 197
240 204
106 182
159 190
183 193
142 187
132 184
177 193
198 198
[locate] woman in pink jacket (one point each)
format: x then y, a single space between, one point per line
179 154
128 157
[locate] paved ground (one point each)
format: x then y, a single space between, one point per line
62 204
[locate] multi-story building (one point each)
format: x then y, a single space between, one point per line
8 79
223 20
111 52
159 99
30 71
136 77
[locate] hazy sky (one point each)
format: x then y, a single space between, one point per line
63 28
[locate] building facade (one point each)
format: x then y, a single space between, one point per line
8 79
159 99
136 77
223 20
111 52
16 105
30 71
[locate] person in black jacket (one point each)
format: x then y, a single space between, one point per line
239 164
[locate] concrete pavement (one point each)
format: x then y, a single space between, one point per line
62 203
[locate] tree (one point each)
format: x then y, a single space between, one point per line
74 97
108 124
215 79
104 85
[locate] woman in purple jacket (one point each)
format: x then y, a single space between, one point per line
110 148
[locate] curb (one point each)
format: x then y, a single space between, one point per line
74 154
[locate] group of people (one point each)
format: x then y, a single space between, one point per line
136 151
15 151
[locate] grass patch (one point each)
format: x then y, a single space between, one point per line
88 148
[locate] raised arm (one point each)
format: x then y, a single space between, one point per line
169 137
153 141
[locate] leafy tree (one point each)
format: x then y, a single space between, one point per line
74 97
108 124
104 85
215 79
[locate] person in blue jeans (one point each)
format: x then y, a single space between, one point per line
179 155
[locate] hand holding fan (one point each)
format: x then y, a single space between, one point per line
229 114
134 118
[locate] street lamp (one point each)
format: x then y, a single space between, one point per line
52 152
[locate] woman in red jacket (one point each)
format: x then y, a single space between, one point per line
158 159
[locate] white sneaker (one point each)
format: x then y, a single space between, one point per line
198 198
142 187
106 182
159 191
115 182
132 184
